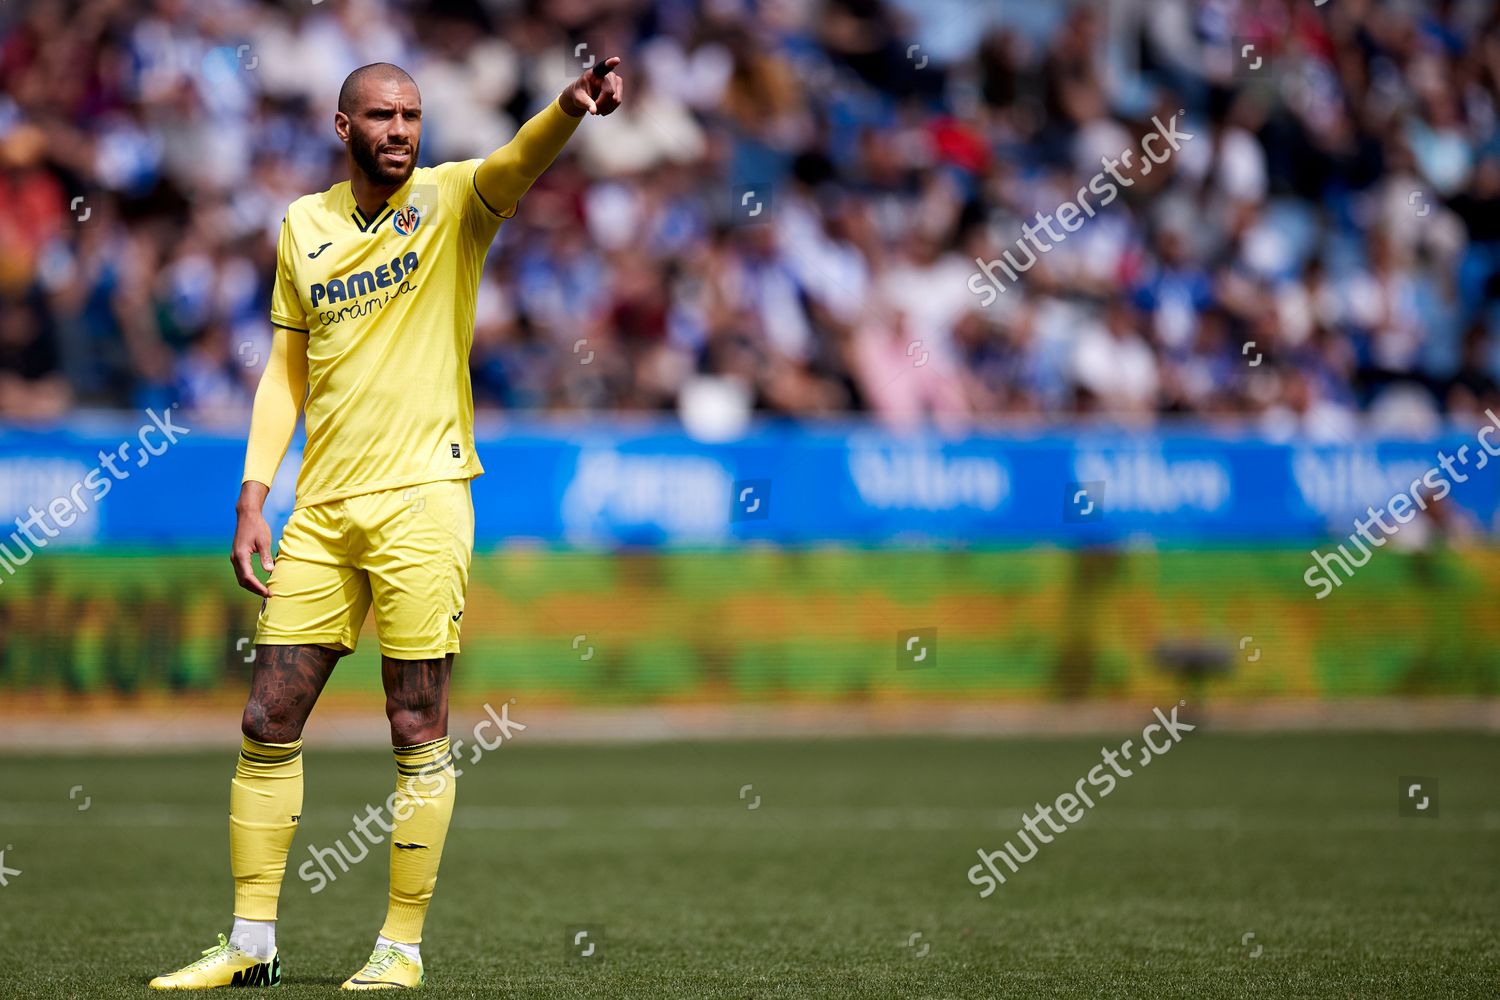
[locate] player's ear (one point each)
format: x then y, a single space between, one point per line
341 125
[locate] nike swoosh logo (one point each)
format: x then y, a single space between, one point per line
320 249
411 847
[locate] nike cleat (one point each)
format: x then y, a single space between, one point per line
223 965
388 969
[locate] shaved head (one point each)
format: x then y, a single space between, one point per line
380 122
374 73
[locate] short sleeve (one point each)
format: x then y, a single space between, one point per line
286 304
480 220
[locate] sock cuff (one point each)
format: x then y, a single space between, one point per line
423 758
404 920
256 752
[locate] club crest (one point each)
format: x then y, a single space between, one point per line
407 220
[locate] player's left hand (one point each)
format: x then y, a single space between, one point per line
595 94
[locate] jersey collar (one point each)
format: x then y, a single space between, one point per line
364 224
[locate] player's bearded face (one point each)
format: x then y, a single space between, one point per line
385 133
384 158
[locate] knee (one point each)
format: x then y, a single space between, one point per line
415 722
270 723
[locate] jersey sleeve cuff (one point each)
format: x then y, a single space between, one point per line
474 179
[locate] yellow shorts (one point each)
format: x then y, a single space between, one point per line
406 551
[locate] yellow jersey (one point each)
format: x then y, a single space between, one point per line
387 306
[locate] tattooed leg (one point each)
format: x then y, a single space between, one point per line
265 795
416 698
284 689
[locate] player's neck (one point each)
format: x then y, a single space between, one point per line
369 196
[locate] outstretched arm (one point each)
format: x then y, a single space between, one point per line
508 172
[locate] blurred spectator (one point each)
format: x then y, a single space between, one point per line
790 208
31 383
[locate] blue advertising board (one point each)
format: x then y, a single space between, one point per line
121 481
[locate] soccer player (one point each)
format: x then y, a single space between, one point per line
373 309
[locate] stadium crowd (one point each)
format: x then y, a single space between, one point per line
792 211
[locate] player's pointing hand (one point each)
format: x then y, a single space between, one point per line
598 91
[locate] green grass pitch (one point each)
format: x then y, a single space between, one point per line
854 847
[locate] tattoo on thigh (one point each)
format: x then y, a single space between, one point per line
285 687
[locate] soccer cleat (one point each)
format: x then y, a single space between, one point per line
222 965
388 969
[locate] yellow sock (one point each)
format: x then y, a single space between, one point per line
420 810
265 803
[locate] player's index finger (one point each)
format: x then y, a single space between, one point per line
600 70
